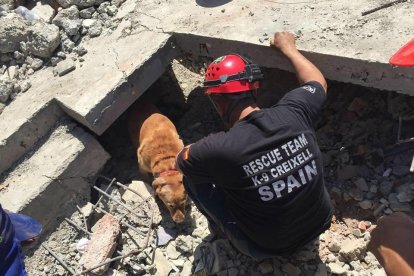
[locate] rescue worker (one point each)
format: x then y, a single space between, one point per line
14 229
261 181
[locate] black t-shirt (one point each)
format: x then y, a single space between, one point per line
270 168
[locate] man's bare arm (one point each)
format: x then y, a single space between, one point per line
305 70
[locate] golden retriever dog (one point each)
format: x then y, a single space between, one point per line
158 144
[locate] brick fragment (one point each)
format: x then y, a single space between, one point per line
102 244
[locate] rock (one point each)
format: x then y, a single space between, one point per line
362 226
35 63
291 270
25 85
87 23
336 268
373 189
67 46
184 244
80 50
87 13
140 188
44 11
179 263
361 184
405 192
43 39
386 187
265 267
352 249
12 72
357 233
398 206
68 19
65 67
331 258
172 252
321 271
95 29
6 88
87 210
387 172
79 3
111 10
334 246
365 204
13 30
103 7
102 244
379 210
400 170
161 263
356 194
348 172
187 269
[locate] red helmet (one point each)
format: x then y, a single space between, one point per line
231 74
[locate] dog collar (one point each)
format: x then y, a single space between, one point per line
167 172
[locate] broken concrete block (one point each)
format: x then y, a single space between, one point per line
43 39
141 188
352 250
6 88
13 30
44 11
102 244
161 263
68 19
65 67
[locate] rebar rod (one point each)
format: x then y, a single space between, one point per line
383 7
119 202
83 216
106 190
58 259
77 226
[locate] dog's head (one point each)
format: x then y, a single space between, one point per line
170 190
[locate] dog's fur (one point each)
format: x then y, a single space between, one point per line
158 144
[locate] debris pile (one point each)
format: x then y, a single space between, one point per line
367 156
47 35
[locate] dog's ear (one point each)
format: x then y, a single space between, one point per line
158 183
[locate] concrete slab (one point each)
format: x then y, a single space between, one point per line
55 176
345 45
116 71
23 123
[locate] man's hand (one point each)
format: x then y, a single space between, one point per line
284 41
392 242
305 70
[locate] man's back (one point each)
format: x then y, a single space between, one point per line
270 169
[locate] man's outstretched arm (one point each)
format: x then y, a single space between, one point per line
305 70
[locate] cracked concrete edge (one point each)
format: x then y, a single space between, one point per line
127 91
69 182
28 134
356 71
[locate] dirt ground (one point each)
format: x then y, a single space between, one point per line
357 133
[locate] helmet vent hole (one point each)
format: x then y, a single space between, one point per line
217 68
214 75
